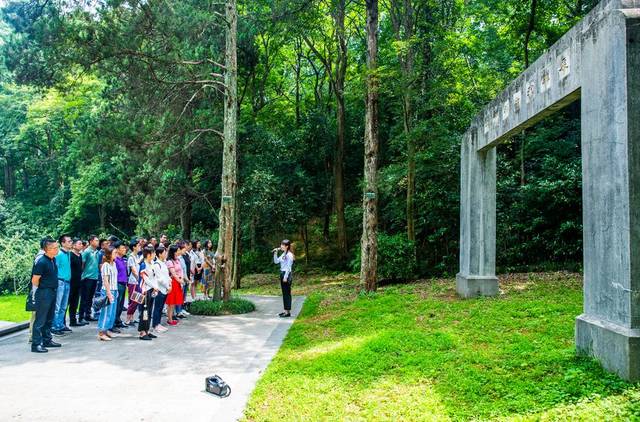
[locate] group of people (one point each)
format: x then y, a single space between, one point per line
97 280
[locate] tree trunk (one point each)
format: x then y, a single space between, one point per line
229 154
369 246
530 27
252 232
523 179
185 219
102 215
235 277
9 179
25 178
403 22
341 70
306 243
186 210
298 69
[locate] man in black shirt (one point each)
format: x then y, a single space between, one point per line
76 283
45 283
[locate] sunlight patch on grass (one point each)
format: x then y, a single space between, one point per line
12 308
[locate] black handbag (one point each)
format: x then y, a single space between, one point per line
30 306
100 302
215 385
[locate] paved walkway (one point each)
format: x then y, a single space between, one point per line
131 380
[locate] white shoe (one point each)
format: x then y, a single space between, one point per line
161 329
185 313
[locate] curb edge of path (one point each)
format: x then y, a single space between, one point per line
14 328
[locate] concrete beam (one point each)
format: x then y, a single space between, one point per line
549 84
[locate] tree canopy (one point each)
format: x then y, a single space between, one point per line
111 121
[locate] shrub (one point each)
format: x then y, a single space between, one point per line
396 258
233 306
16 261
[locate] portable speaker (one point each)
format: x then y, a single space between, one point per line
215 385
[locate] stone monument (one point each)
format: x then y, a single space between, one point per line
597 61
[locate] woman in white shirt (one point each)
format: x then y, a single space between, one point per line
164 287
197 261
149 288
109 275
286 276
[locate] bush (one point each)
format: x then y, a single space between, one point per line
16 261
233 306
396 258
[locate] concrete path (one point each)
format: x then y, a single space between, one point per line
132 380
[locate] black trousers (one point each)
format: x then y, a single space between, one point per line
122 290
286 290
146 312
74 298
88 289
45 310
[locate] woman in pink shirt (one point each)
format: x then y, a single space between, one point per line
175 297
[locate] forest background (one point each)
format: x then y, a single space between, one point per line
111 113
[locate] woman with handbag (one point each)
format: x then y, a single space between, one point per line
175 296
109 274
146 292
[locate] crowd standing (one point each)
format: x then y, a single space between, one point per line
76 282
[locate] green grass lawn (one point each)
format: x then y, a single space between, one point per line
418 352
12 308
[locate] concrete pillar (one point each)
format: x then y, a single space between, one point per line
477 220
609 328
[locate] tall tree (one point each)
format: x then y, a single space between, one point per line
369 245
230 147
402 14
337 75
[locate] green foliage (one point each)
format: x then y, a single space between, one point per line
235 305
107 123
396 258
416 352
252 262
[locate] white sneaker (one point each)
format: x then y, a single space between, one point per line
161 329
185 313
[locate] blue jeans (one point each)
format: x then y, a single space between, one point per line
108 313
62 299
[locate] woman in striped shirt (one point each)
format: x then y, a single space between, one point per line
109 274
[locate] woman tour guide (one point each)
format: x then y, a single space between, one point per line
286 277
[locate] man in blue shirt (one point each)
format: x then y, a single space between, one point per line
44 281
63 260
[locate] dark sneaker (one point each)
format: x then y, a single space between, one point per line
67 330
145 337
39 349
152 335
52 344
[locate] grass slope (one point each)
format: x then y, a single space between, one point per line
12 308
417 352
